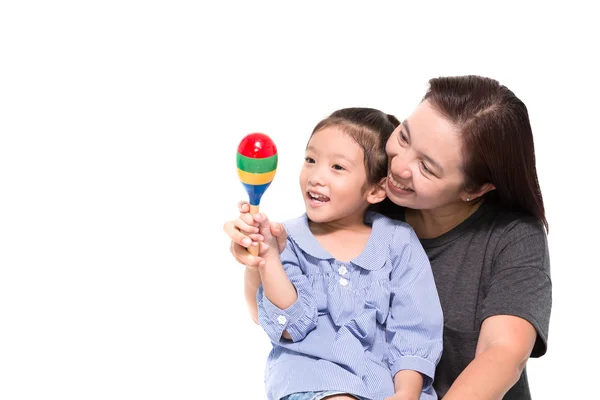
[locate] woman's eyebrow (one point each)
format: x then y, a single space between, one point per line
432 162
405 126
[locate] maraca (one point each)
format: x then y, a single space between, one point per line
256 165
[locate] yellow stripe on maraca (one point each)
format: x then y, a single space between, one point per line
256 179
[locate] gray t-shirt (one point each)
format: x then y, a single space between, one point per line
496 262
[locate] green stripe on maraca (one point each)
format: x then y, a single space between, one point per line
256 165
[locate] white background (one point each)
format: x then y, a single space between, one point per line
119 122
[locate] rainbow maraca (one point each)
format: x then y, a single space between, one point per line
256 160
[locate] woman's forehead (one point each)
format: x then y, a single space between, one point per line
432 134
428 119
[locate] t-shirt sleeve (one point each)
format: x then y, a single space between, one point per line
520 284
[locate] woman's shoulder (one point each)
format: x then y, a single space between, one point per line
515 235
515 224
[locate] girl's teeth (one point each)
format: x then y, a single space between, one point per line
318 197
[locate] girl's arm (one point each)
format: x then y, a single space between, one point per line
414 327
242 233
286 303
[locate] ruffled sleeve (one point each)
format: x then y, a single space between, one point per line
299 318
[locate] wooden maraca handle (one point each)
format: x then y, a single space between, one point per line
253 250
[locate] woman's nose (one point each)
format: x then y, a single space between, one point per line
400 168
406 174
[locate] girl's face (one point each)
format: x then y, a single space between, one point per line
333 178
424 160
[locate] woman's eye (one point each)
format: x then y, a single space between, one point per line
425 168
309 160
403 137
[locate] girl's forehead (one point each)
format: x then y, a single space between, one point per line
334 142
329 134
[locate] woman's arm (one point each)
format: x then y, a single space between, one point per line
251 284
505 343
515 313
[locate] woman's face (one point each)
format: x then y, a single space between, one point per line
424 159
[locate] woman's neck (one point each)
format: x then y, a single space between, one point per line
429 224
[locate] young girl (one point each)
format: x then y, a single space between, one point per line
350 305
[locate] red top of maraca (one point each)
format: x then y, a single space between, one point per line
257 145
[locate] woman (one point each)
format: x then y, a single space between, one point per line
461 172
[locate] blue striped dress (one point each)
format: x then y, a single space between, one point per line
355 324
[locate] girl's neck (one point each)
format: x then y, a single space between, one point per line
430 224
345 225
343 239
353 222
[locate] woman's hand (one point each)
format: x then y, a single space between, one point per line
244 232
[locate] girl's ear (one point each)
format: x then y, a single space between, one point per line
376 193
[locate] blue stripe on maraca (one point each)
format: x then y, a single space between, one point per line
255 192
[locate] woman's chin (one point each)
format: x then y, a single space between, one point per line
403 200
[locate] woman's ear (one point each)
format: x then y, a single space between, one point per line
376 193
474 194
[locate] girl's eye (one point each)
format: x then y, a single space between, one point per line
403 137
338 167
309 160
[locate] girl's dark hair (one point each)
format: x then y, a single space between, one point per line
497 139
370 129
